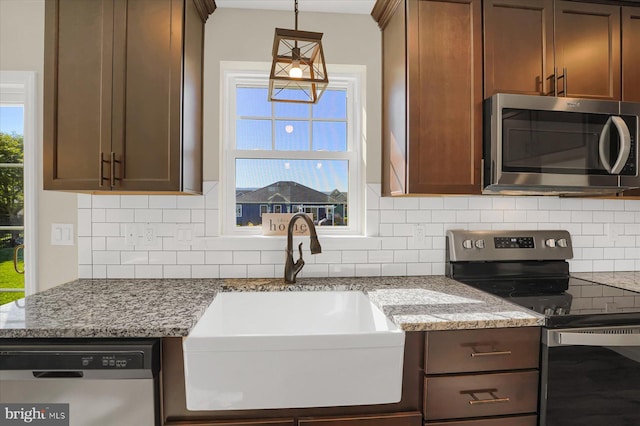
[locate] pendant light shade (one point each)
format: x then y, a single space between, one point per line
298 71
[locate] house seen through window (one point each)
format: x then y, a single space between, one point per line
290 157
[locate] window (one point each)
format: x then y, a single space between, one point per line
288 157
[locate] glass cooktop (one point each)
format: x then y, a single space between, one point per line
567 301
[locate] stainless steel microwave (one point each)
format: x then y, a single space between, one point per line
559 146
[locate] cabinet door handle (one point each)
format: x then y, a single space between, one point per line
553 90
493 353
564 82
113 170
101 162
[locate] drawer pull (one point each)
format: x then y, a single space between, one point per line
488 401
494 353
477 401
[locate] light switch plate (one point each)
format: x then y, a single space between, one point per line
62 234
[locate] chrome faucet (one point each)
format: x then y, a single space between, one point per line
291 269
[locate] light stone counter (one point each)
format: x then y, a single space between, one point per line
624 280
166 307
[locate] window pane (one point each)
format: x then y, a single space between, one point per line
12 120
253 134
332 104
292 135
292 110
329 136
12 200
252 102
319 187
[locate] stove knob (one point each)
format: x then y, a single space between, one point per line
560 311
550 242
480 244
468 244
548 311
562 242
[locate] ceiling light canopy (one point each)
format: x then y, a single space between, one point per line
298 71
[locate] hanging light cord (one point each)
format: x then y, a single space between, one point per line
296 12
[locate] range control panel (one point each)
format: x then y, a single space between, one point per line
490 246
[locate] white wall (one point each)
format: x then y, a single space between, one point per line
247 35
22 49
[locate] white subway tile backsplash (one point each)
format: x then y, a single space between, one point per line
99 215
393 216
148 215
606 235
163 201
176 216
190 258
205 271
177 271
134 257
120 271
162 258
105 202
134 201
148 271
394 269
233 271
118 215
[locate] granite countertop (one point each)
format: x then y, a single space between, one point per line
171 307
624 280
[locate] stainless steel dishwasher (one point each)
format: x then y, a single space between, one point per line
104 382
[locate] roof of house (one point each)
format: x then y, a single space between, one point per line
289 192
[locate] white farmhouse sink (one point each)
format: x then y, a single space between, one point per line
292 349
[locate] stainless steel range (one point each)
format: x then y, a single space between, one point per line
591 340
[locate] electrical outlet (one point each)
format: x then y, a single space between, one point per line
130 234
419 236
149 235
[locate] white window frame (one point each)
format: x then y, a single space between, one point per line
352 78
19 87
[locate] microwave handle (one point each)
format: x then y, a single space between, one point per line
625 144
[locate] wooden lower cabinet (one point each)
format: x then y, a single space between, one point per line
481 395
505 421
276 422
398 419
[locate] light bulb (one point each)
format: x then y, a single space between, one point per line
295 71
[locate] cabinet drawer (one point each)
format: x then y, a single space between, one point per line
464 351
399 419
480 395
505 421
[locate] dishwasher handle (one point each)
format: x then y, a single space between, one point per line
58 374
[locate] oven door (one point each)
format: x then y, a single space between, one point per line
590 377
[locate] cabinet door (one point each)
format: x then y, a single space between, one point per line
588 47
630 54
77 93
276 422
444 44
518 46
147 94
399 419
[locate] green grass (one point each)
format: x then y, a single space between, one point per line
8 276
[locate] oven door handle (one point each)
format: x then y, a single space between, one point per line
570 338
625 145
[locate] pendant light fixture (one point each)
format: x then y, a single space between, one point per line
298 71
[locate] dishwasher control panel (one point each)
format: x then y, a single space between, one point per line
71 360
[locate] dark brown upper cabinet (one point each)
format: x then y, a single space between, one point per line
432 96
631 54
123 95
518 47
547 47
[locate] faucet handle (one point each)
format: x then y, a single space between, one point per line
300 250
